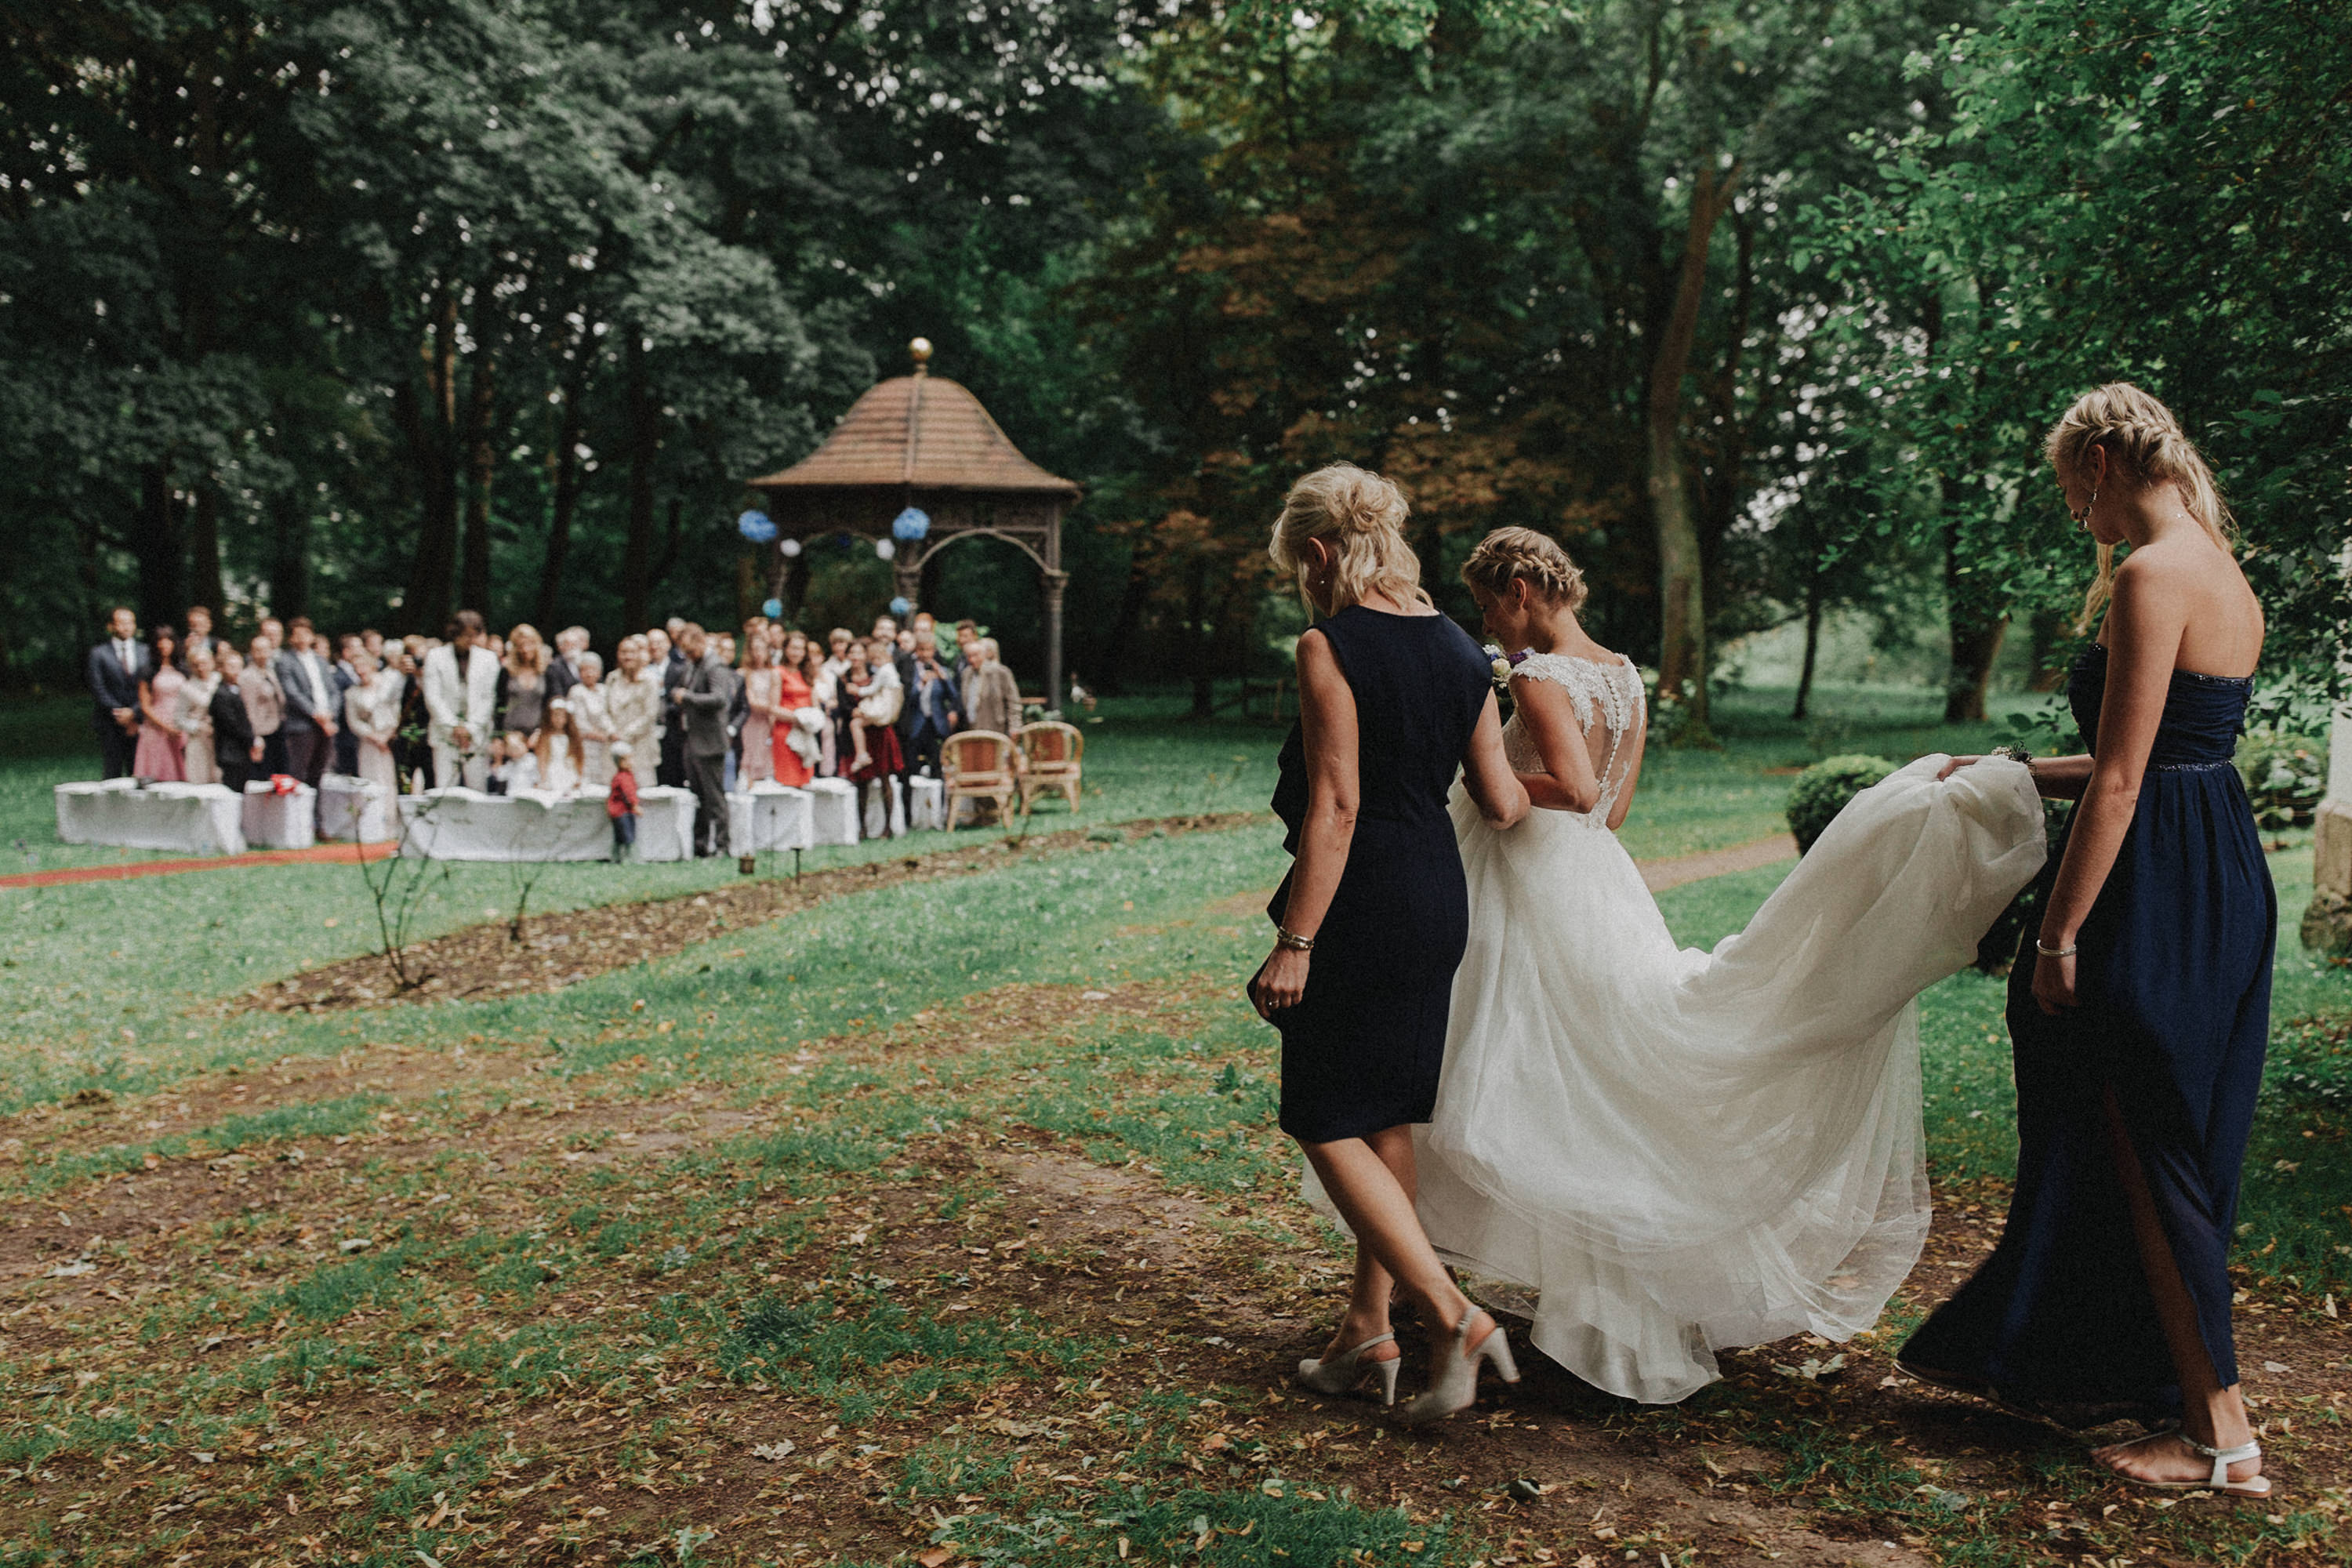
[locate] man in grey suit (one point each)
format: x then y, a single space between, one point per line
708 692
314 707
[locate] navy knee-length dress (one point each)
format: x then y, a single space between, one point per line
2173 981
1363 1048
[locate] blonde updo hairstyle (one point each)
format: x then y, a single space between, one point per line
1521 554
2145 446
1359 516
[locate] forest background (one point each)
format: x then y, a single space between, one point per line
372 309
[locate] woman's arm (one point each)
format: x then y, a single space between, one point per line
2143 638
2055 778
1326 724
1501 794
1548 714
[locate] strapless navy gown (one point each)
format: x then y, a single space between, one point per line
2174 982
1363 1050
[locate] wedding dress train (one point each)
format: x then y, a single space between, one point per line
1676 1151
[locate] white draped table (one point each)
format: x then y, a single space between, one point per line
274 821
833 811
355 809
466 825
768 816
196 819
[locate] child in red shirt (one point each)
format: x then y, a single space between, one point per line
620 804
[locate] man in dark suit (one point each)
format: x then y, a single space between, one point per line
676 671
902 659
346 674
114 670
236 748
704 699
314 707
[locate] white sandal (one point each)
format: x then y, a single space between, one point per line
2220 1481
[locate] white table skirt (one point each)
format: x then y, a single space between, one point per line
351 807
768 815
833 811
274 821
196 819
927 805
466 825
885 809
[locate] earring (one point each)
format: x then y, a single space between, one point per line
2082 518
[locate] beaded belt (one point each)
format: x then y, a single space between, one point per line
2190 767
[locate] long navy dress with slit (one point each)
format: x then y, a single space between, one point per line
1363 1050
2173 980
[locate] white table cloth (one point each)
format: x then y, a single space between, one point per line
466 825
351 807
833 811
885 808
927 805
768 815
274 821
196 819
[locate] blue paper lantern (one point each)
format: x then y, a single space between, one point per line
902 607
756 526
772 608
912 523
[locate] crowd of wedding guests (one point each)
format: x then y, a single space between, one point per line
707 711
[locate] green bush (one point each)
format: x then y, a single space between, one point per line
2285 775
1823 789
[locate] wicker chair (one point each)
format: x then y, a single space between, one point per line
978 764
1052 753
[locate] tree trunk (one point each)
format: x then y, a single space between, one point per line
156 541
289 571
481 450
1976 633
428 426
1682 606
1110 657
1196 642
1813 645
644 441
204 553
566 463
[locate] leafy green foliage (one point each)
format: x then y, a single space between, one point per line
1822 791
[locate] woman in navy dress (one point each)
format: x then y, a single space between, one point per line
1394 701
2140 1010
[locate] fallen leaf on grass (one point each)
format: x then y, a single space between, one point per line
934 1557
776 1450
75 1269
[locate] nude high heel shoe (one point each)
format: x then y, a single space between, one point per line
1340 1374
1454 1386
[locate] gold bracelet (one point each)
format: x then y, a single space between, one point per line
2047 951
1285 937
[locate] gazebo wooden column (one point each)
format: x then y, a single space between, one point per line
924 443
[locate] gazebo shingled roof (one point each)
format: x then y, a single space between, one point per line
923 431
924 442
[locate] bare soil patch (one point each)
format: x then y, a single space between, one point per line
555 950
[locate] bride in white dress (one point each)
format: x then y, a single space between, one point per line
1676 1152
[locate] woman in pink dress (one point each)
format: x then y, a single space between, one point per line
160 740
793 693
759 687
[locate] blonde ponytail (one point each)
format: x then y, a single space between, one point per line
1360 517
2144 445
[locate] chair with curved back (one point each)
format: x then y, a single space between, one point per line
978 764
1052 756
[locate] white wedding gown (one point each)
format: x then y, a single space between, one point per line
1676 1151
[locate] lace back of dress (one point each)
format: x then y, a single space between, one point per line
1608 703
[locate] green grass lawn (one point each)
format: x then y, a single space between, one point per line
544 1345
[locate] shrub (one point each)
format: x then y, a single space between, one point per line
2285 775
1823 789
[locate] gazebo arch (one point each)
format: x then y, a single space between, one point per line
923 443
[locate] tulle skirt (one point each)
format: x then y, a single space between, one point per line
1676 1151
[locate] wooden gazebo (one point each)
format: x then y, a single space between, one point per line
923 444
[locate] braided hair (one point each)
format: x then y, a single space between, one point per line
1510 555
1360 517
2145 446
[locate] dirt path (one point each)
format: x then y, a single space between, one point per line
1769 850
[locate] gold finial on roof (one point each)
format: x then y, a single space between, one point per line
922 349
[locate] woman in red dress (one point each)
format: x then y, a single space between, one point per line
793 694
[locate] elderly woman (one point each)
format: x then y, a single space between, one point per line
196 717
1369 925
591 715
372 710
992 697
